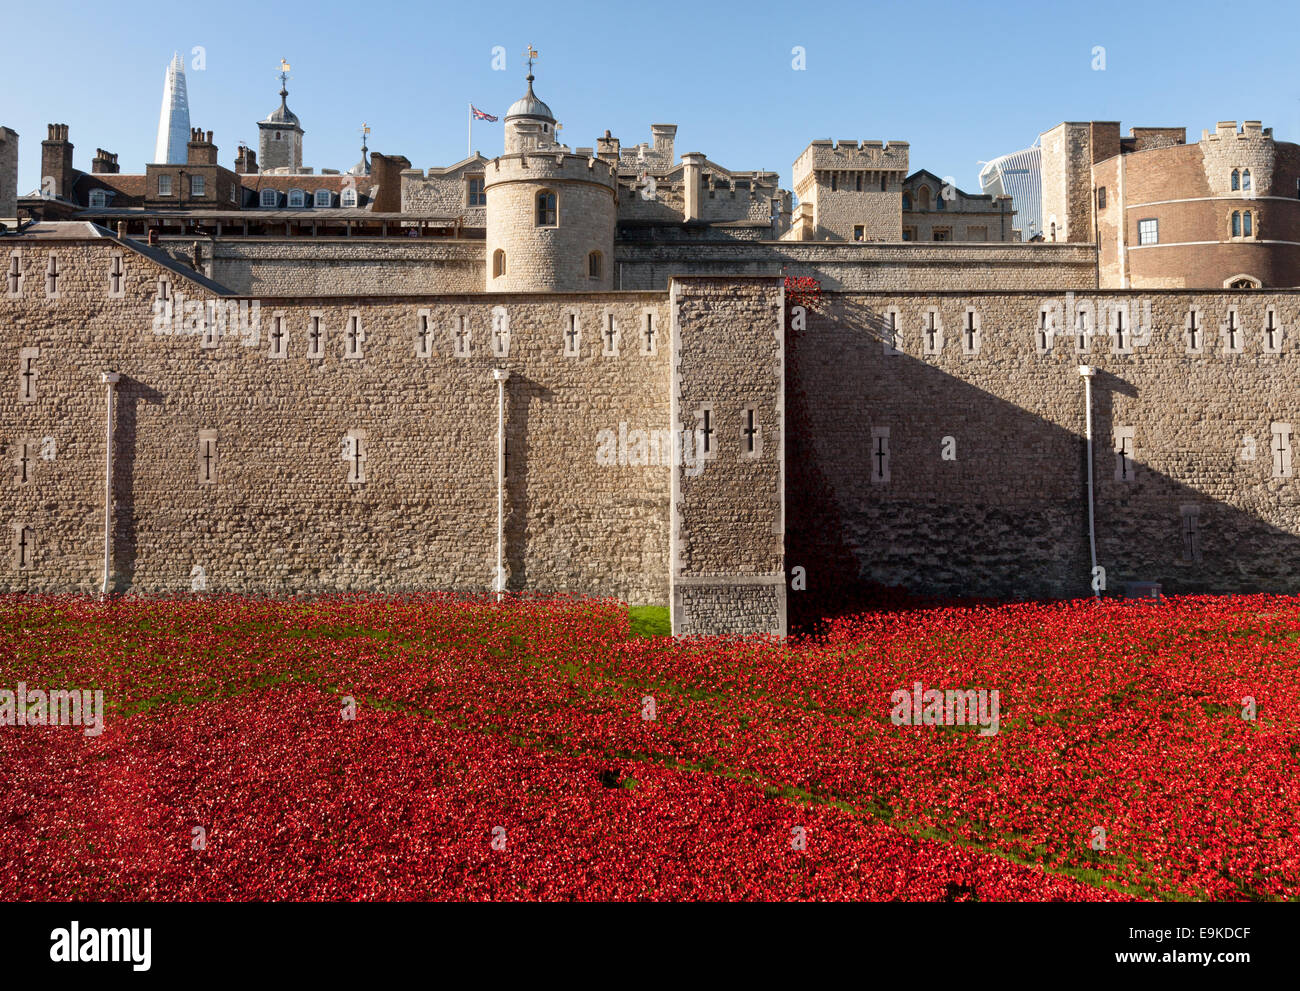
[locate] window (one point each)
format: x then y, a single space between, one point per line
197 185
269 198
940 202
1101 197
98 197
882 182
1247 224
498 263
859 232
834 181
909 233
1148 232
164 185
942 234
907 201
296 198
1236 223
546 212
475 194
1245 179
234 192
1236 179
858 176
348 197
595 265
322 197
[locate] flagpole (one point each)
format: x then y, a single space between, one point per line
469 141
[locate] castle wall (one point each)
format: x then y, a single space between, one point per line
728 517
1006 515
282 515
846 267
311 267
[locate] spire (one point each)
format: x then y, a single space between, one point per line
174 121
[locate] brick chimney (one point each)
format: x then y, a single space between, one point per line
200 150
246 161
386 173
104 163
56 162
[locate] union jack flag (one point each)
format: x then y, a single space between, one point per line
480 115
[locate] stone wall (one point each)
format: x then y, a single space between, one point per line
959 467
341 267
839 267
282 510
728 513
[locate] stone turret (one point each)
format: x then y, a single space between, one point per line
550 214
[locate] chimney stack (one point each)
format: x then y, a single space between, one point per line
200 150
56 162
246 161
104 163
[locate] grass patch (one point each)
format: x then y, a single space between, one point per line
650 621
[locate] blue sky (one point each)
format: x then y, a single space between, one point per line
961 81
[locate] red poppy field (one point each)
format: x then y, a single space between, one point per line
536 750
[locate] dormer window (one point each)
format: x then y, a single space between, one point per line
269 198
547 213
98 198
348 197
322 197
296 198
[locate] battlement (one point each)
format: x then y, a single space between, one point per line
1228 129
852 155
547 166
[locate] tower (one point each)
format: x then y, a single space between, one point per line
174 122
550 214
279 143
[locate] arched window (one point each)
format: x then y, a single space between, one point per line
1243 282
1245 179
348 197
923 198
498 263
595 265
547 215
322 197
269 197
907 201
1247 224
296 198
1236 179
1236 223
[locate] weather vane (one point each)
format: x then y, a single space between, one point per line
365 133
530 54
284 72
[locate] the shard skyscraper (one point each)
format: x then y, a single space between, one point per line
174 124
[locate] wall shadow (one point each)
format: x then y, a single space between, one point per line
522 394
131 394
1007 517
